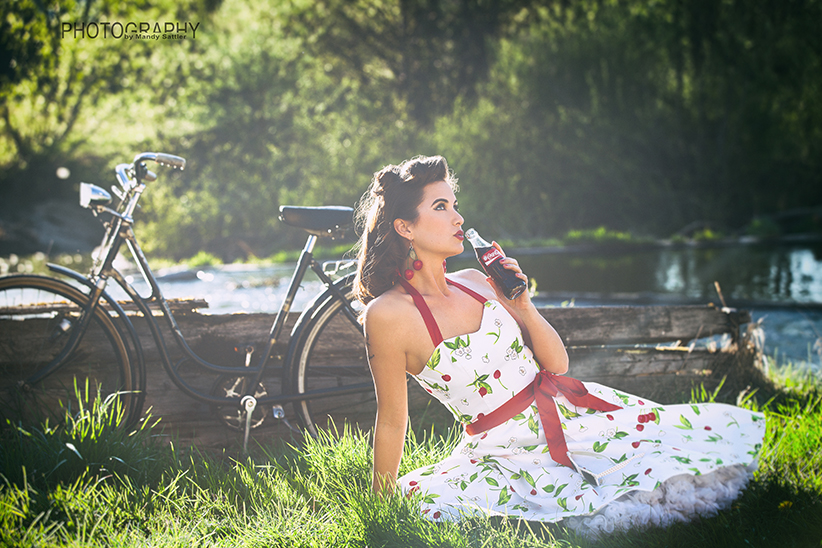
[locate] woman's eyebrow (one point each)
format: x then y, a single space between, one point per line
440 201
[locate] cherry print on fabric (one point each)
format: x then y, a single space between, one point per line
508 470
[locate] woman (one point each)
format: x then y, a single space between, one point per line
537 445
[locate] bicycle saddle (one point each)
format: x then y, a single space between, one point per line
320 221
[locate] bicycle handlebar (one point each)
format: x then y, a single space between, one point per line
170 160
162 158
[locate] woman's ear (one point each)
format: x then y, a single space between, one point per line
403 229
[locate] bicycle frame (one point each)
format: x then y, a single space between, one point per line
255 374
119 230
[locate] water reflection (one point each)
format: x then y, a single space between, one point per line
231 288
745 273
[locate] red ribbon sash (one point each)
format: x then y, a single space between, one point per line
545 386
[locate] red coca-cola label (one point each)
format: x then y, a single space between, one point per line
490 256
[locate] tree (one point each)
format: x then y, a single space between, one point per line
64 58
426 52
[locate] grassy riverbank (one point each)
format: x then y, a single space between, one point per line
91 484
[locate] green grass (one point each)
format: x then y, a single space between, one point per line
90 483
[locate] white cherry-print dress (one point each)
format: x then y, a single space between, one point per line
682 460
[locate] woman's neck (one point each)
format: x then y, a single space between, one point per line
430 281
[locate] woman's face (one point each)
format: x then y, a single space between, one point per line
438 227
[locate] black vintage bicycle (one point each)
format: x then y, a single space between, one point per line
56 335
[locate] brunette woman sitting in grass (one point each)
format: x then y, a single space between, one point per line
537 445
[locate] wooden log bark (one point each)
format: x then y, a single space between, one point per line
621 325
613 325
669 375
596 337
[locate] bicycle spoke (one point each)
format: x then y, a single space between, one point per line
37 317
333 355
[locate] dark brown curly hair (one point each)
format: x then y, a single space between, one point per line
395 193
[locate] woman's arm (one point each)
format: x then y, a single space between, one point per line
387 359
539 335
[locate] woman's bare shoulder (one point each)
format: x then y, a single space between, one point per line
393 329
389 309
468 274
473 279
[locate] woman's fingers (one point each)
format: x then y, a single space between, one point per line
510 263
513 265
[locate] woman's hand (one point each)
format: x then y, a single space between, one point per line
523 301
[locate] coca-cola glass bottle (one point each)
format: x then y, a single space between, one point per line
489 257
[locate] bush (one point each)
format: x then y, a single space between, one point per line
599 235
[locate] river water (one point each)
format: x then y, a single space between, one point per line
780 284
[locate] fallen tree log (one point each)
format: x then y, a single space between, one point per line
647 351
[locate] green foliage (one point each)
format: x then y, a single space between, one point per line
706 235
763 227
24 41
202 258
65 85
419 55
272 127
599 235
610 114
37 263
555 115
791 455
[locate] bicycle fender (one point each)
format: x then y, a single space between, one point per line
74 275
317 304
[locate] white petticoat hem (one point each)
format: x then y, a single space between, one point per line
679 498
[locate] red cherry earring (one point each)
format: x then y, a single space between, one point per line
416 262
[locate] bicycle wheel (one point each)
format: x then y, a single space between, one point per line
37 319
331 353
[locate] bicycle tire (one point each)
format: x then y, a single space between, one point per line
36 316
331 353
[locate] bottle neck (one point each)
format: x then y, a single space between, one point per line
475 239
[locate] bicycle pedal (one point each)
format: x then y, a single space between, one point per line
278 413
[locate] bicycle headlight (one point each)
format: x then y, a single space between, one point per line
91 195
